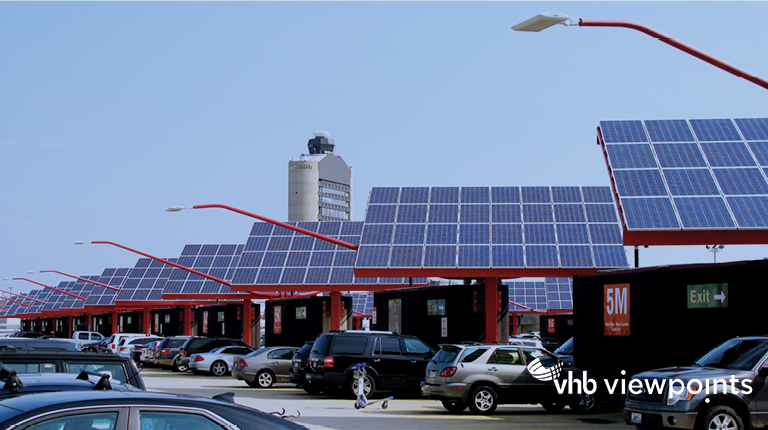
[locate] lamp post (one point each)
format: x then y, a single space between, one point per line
51 288
714 249
22 296
79 278
548 19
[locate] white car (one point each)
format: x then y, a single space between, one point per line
114 340
128 343
217 361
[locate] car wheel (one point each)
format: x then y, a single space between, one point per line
252 384
722 417
583 403
553 406
219 368
454 406
483 400
313 388
369 386
178 367
265 379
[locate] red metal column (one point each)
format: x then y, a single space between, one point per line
491 310
187 320
146 324
247 321
68 326
335 310
114 320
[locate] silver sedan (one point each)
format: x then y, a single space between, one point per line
217 361
264 367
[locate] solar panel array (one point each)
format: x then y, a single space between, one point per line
362 302
701 174
552 293
15 308
114 277
145 281
219 261
276 255
491 227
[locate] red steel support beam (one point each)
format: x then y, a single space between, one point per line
247 321
335 310
491 310
187 309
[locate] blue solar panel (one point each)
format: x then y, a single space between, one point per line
649 214
384 195
541 256
679 155
409 234
474 256
380 214
406 256
444 214
635 183
570 213
536 195
537 213
377 234
728 154
506 213
475 195
438 234
572 234
507 256
505 194
507 233
760 149
750 211
675 130
539 233
445 195
631 156
412 214
475 213
741 181
715 130
691 182
605 234
566 195
609 255
597 195
623 131
576 256
474 234
414 195
437 256
559 293
753 128
704 212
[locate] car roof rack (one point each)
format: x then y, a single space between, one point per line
102 385
228 397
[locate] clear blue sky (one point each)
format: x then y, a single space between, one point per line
111 112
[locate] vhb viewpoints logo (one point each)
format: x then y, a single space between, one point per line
544 373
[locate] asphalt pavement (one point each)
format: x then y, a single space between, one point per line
321 412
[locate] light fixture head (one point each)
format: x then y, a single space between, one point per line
542 21
176 208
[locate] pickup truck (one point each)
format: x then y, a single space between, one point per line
724 389
82 338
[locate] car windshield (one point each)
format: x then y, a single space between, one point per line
447 354
735 354
257 352
566 348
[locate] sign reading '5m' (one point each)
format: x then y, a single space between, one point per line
616 309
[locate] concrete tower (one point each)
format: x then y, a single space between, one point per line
319 184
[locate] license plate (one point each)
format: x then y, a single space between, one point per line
432 373
636 418
295 365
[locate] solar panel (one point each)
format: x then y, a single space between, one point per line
221 261
702 174
512 227
305 260
559 293
531 294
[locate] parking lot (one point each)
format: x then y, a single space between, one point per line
325 412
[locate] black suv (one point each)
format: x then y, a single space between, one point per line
297 373
120 368
196 345
393 361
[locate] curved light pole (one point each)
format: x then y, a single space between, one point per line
22 296
548 19
271 221
52 288
79 278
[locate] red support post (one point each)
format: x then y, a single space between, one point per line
187 320
491 310
247 322
335 310
146 324
114 321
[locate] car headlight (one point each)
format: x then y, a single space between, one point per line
675 397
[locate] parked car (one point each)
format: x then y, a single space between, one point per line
114 340
146 353
29 334
127 344
217 361
37 343
123 410
168 351
29 383
393 361
483 376
297 373
195 345
121 369
265 366
565 352
732 377
100 346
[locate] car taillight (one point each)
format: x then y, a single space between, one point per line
164 351
112 346
183 353
448 372
123 348
307 363
138 348
199 358
242 363
328 362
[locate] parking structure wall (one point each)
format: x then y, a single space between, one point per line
221 320
439 315
295 321
670 322
559 327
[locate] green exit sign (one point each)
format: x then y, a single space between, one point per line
708 296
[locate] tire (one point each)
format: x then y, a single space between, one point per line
553 407
454 406
313 388
219 368
583 403
252 384
178 367
265 379
369 386
722 417
483 400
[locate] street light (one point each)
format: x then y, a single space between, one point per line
77 277
714 249
52 288
22 296
549 19
271 221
